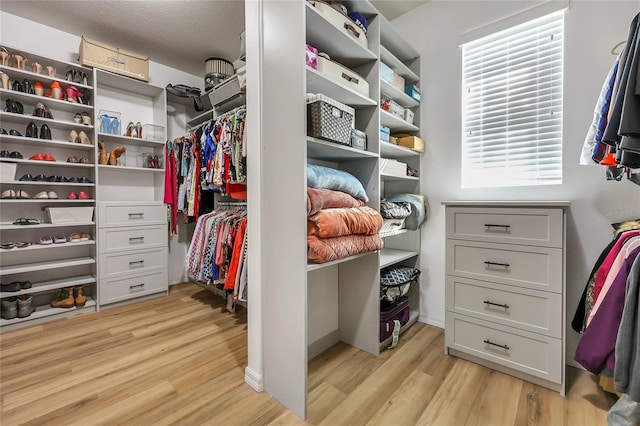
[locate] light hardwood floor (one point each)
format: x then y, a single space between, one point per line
180 360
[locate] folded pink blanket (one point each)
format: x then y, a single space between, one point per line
321 250
318 199
344 221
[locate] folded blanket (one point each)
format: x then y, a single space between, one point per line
346 221
390 210
321 250
418 209
318 199
338 180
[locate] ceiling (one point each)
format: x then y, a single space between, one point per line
180 34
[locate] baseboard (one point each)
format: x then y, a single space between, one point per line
434 322
253 379
322 344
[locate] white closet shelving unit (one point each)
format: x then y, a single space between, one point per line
131 217
309 308
48 267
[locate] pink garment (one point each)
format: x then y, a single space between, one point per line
628 247
603 271
170 186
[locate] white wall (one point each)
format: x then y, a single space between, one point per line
592 28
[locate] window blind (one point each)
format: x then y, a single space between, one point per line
512 105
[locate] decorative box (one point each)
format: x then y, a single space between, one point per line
384 133
103 56
329 119
312 57
343 75
69 214
413 91
408 116
398 82
393 167
396 109
358 139
411 142
386 73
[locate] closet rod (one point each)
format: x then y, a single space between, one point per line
220 292
231 204
226 114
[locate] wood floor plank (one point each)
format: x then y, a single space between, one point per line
322 400
539 407
497 402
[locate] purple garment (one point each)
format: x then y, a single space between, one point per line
596 348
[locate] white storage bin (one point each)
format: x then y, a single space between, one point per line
343 75
408 116
8 172
69 214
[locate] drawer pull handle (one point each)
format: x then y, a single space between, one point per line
506 265
489 342
137 286
502 305
136 262
493 225
136 215
136 239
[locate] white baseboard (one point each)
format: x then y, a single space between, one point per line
431 321
253 379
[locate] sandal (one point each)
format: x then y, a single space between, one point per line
59 239
74 238
45 240
25 221
84 237
86 118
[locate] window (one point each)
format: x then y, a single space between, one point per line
512 106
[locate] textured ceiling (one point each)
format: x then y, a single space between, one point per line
180 34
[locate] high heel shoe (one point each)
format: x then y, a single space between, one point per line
36 67
130 128
73 137
71 75
86 118
19 61
83 78
26 85
51 71
38 88
6 83
84 139
139 130
72 94
16 86
4 56
56 91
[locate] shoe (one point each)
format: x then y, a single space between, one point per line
3 131
48 157
115 126
83 196
26 177
77 118
11 287
36 68
9 194
22 195
16 154
25 305
45 132
55 178
4 79
86 118
38 110
45 240
72 179
139 129
9 308
32 130
40 178
84 139
25 284
74 238
38 88
16 86
130 129
72 196
79 296
13 132
59 239
72 159
105 123
84 179
42 195
64 299
84 237
70 75
52 195
4 56
19 61
4 153
26 85
71 93
37 157
51 71
84 160
55 91
73 137
14 106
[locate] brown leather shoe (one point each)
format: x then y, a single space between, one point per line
78 294
65 299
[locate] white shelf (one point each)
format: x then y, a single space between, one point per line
103 167
42 286
43 266
25 118
390 257
392 233
318 83
398 65
45 142
55 104
44 183
327 37
61 66
389 150
108 137
47 163
36 246
413 317
127 84
43 311
7 226
400 97
44 78
201 118
388 177
395 123
314 266
45 201
331 151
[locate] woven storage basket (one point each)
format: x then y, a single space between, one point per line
329 119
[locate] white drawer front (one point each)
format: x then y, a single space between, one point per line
539 227
135 214
142 237
119 289
531 353
524 266
118 264
530 310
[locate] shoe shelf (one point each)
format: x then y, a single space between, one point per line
46 201
47 163
44 266
395 123
389 256
42 286
26 118
36 246
56 104
44 183
388 177
397 95
45 142
43 78
104 167
318 83
8 226
331 151
43 311
111 138
60 66
389 150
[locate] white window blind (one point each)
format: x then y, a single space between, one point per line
512 105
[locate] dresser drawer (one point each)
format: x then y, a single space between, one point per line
117 264
139 237
538 227
131 214
119 289
531 353
530 310
524 266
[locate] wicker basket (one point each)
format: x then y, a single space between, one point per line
329 119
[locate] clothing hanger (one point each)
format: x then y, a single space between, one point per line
620 44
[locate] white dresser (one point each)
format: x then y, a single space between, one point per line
505 287
132 250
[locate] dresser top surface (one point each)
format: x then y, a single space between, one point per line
507 203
